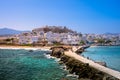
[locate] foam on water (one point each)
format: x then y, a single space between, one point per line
72 75
24 65
49 57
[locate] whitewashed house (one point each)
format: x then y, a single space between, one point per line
25 38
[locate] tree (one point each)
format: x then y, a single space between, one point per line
82 42
101 41
80 34
108 41
46 29
8 39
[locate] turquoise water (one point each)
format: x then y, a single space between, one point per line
26 65
108 54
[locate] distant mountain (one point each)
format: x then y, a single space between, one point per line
111 33
7 31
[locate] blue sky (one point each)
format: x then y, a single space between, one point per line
86 16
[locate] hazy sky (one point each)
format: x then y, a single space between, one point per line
86 16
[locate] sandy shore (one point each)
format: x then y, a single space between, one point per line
25 47
93 64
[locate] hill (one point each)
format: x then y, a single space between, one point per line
54 29
7 31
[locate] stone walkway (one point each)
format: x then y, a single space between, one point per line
93 64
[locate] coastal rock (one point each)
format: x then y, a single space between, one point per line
84 79
61 47
57 52
80 50
30 50
48 52
64 79
81 69
107 77
102 63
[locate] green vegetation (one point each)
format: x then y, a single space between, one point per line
108 42
101 41
8 39
55 43
82 42
26 45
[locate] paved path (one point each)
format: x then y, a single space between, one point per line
93 64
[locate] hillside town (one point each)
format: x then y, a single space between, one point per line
59 35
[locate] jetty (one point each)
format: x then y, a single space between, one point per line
93 64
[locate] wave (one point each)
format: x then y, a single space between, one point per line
72 75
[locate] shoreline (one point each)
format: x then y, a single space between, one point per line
104 45
25 47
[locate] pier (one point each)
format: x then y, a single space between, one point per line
97 66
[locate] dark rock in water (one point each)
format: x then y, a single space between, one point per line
30 50
60 62
85 79
48 53
64 79
102 63
85 47
80 50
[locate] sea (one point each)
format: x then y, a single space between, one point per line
30 65
108 54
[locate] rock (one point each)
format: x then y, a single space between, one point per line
108 77
102 63
80 50
84 79
83 70
30 50
64 58
66 48
48 52
64 79
60 62
57 52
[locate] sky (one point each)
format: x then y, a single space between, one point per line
86 16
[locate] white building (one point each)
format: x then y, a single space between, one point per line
25 38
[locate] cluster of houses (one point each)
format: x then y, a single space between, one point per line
48 37
104 39
39 36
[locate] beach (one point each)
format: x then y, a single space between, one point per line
25 47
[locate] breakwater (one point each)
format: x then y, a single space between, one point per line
84 68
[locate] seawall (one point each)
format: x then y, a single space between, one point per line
91 63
